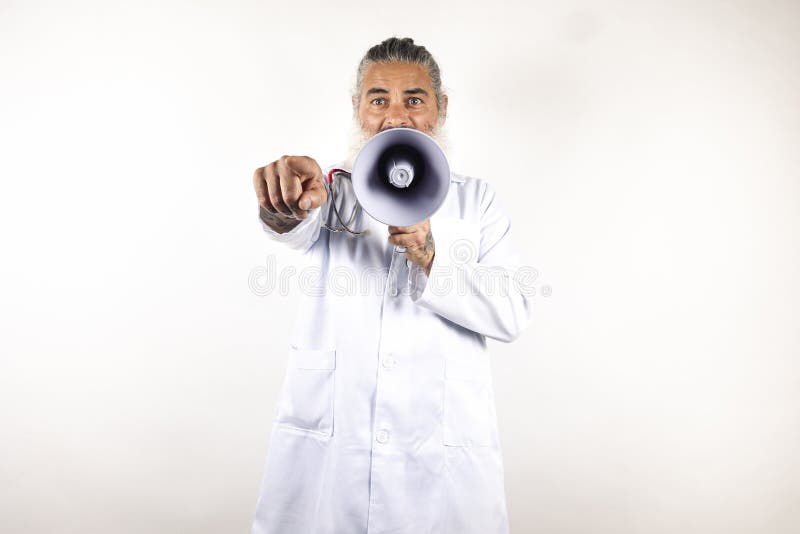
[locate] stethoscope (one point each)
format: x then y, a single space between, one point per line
336 191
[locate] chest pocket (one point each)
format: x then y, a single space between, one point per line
467 409
306 398
461 237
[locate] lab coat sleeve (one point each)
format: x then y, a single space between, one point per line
485 290
302 236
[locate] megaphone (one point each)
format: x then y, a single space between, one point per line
401 177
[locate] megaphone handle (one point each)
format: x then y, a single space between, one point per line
399 249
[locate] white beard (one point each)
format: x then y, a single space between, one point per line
359 137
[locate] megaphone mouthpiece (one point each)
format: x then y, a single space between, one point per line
400 164
400 175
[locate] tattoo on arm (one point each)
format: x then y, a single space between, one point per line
429 250
279 223
427 247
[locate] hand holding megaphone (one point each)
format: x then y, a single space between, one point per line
417 243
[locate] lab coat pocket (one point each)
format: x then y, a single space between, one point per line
466 405
460 240
306 399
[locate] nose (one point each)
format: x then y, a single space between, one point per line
397 116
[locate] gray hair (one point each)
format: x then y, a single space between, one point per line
394 50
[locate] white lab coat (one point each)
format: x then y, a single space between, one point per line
386 419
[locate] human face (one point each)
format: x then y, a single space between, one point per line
398 95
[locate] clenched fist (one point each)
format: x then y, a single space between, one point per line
287 189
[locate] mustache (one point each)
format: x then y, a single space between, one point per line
359 137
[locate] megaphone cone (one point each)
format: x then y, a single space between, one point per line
401 177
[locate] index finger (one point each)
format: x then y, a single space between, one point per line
290 188
303 166
402 229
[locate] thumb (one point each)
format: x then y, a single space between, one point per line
312 197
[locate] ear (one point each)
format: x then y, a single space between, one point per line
443 111
354 101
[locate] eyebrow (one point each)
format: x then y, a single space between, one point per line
412 91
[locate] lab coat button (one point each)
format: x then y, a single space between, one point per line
382 436
389 361
393 292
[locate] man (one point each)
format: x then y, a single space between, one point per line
386 420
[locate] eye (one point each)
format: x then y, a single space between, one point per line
377 101
414 101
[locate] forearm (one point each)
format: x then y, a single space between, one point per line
476 279
492 301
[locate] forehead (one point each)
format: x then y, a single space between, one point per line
396 75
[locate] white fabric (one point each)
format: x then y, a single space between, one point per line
386 419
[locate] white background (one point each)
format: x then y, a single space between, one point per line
647 153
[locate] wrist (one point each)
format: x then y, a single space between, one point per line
427 267
279 223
